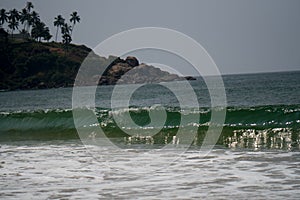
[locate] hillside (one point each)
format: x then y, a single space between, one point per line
26 64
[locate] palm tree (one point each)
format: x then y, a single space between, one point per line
67 38
13 20
58 21
29 6
28 17
38 30
33 18
13 25
3 16
66 29
24 17
74 18
46 35
14 15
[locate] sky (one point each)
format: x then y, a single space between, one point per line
242 36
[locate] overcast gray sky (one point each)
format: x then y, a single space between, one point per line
242 36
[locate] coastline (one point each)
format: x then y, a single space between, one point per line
28 65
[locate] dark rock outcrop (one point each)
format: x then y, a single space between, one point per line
129 71
132 61
190 78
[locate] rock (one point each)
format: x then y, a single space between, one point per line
132 61
129 71
147 74
190 78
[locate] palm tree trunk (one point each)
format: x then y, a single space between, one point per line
72 29
56 34
27 27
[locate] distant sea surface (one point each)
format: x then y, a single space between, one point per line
256 156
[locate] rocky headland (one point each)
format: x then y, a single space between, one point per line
27 64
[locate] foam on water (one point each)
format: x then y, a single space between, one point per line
66 170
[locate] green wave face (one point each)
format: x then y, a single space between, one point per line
244 126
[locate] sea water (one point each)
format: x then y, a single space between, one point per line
255 157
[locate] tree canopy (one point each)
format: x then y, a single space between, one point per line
34 27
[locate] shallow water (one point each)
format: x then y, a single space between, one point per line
65 170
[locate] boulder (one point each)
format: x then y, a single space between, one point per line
132 61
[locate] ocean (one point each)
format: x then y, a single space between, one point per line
256 156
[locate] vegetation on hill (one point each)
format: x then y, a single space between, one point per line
28 64
26 61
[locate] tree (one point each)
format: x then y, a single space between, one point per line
32 19
58 22
66 29
29 6
13 22
13 25
13 15
3 17
24 17
74 18
47 36
67 38
39 31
